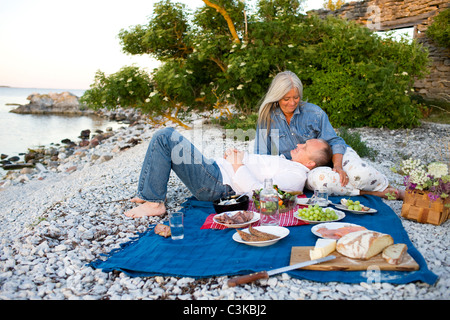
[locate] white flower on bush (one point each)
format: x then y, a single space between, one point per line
437 169
240 87
152 94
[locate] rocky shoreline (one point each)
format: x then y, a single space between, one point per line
56 220
53 103
42 158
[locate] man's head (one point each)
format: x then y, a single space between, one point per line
313 153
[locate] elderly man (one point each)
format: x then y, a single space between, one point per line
208 179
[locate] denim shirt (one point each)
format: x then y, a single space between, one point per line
308 122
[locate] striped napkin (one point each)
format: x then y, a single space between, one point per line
287 218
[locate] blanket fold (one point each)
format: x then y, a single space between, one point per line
206 253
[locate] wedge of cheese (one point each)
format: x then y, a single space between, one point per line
322 248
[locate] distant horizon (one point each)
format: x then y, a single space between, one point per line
34 87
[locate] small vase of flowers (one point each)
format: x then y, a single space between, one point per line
428 188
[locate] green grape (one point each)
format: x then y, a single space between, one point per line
316 213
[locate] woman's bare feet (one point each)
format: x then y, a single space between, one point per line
146 209
389 193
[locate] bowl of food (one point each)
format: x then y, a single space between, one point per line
232 203
286 200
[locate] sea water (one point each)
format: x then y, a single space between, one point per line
19 132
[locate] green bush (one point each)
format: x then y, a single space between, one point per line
358 78
129 87
439 30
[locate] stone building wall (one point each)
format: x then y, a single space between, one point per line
384 15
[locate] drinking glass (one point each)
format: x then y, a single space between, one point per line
321 197
176 225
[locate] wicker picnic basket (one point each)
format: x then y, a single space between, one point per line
417 206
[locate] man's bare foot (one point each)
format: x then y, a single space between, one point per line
147 209
137 200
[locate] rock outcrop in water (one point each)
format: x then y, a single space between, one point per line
53 103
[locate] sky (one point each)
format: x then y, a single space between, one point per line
60 44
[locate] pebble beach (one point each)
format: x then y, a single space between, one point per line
55 221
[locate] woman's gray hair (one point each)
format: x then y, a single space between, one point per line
280 86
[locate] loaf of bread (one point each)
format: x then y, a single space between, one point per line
394 253
363 244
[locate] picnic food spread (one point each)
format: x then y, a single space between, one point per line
236 218
317 213
163 230
363 244
339 232
256 235
395 253
352 247
287 200
323 248
354 205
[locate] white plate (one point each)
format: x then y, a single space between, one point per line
281 232
331 226
241 225
342 207
303 201
341 215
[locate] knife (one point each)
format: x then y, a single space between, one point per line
266 274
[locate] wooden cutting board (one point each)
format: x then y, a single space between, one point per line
301 254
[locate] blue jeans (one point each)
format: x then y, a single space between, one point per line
169 150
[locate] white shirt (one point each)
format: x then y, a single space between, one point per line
287 174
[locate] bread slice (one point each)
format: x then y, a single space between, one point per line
394 253
363 244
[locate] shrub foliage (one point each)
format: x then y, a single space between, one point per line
439 30
227 54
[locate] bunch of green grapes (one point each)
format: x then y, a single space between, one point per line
317 213
354 205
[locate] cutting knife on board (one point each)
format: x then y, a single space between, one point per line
266 274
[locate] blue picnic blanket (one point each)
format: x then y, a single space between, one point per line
211 252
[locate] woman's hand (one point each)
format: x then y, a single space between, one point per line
337 167
342 174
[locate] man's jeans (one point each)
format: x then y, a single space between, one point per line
169 150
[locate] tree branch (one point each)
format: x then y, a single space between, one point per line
225 14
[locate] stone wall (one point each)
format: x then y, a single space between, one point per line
384 15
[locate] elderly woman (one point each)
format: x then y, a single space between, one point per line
285 120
